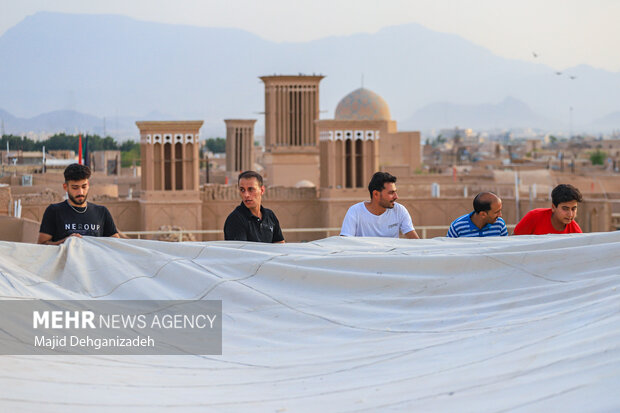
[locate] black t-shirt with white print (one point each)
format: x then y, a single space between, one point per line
61 220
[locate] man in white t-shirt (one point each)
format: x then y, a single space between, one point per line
382 216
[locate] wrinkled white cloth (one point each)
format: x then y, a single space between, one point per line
528 323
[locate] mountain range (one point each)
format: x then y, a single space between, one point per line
120 68
73 122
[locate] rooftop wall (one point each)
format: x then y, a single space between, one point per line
18 229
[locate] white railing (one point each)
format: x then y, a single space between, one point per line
421 230
179 233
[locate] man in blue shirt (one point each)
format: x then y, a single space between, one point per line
485 221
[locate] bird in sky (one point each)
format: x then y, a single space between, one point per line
558 73
573 77
535 54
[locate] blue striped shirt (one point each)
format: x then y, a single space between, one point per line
464 227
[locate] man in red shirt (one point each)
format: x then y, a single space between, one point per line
559 219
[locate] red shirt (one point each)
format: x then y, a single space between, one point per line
538 222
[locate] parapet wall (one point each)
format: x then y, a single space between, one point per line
18 229
5 199
231 193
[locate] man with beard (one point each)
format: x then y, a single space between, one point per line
75 217
381 216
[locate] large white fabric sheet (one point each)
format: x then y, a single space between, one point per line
341 324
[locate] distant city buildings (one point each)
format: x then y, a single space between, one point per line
316 167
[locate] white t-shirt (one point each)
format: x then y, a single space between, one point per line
360 222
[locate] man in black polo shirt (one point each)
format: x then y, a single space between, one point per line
75 217
250 221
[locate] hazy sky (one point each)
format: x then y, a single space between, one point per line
563 32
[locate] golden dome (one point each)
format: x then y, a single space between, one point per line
362 104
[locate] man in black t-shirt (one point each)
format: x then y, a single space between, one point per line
250 221
75 217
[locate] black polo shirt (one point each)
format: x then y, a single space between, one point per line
242 225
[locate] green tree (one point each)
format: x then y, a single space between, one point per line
19 143
61 141
130 150
598 157
129 145
130 153
216 145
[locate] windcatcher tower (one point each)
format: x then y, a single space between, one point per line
239 147
170 165
291 133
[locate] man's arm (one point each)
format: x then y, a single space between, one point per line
452 233
234 230
349 224
48 226
46 239
406 224
504 231
278 238
109 227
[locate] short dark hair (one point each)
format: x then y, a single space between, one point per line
76 172
565 193
378 181
251 174
483 201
